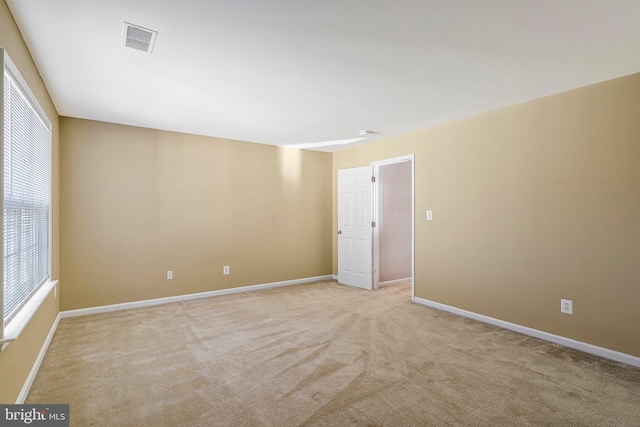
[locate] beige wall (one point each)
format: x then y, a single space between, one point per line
18 358
532 203
395 221
138 202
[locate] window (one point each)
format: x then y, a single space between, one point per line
26 201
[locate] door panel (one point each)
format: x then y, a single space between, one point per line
354 225
361 256
346 215
345 248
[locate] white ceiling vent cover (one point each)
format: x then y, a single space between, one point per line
138 38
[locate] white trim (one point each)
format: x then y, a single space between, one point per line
177 298
15 74
15 327
375 216
3 61
36 365
567 342
413 228
334 277
394 282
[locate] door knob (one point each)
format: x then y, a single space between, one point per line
339 231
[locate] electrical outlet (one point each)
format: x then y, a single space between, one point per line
225 269
566 306
169 275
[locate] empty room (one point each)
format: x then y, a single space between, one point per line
283 213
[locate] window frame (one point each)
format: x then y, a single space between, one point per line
11 330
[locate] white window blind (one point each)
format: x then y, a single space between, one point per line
26 199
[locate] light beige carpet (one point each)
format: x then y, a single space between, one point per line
322 354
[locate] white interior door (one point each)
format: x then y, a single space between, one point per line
354 227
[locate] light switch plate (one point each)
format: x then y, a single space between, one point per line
429 215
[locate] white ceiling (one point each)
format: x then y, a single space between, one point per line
288 72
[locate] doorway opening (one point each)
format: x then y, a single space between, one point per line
393 213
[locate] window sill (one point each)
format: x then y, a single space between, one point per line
15 327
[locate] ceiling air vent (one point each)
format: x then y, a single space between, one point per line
138 38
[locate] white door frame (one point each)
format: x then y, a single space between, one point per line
376 215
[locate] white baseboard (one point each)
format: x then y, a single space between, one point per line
567 342
334 277
167 300
394 282
36 365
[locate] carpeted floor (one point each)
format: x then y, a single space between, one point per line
322 354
